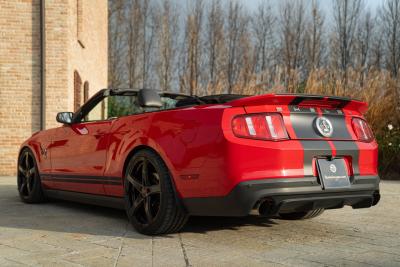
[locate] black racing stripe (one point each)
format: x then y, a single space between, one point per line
300 109
348 148
303 124
313 149
331 111
298 99
342 101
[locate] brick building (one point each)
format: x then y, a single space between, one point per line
53 56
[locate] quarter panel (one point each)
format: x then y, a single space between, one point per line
190 141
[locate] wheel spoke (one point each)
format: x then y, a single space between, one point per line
26 160
147 209
145 172
136 204
154 189
28 185
23 185
21 169
31 171
135 183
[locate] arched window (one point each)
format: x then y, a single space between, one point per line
77 90
85 91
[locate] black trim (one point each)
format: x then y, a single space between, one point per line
81 179
88 106
291 194
105 201
342 101
298 99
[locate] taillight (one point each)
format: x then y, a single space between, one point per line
265 126
362 130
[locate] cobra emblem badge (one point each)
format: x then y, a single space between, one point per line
332 168
43 151
324 126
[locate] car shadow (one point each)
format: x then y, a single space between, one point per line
76 218
198 224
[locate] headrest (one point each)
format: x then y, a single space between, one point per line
149 98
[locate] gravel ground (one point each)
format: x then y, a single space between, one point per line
68 234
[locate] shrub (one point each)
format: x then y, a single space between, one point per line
381 92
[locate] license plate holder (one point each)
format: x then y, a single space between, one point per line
333 173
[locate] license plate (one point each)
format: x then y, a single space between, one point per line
333 173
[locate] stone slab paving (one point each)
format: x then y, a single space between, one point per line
69 234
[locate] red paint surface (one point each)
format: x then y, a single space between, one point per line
193 142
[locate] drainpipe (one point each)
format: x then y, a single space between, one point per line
42 66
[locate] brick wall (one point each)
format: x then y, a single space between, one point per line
19 77
20 65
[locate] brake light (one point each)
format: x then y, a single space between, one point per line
265 126
362 130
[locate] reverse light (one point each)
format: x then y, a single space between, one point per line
362 130
265 126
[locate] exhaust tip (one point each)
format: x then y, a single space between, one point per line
267 207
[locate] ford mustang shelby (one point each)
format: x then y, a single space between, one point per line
163 157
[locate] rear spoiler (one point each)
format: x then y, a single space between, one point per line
333 102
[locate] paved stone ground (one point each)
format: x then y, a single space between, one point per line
68 234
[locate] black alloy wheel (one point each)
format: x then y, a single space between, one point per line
28 180
144 191
150 200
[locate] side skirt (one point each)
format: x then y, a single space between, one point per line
105 201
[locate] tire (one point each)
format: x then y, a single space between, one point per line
28 179
301 215
150 201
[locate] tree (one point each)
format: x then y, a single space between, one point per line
116 43
314 38
133 42
293 21
263 24
215 43
346 14
390 18
235 27
148 34
167 44
194 23
363 42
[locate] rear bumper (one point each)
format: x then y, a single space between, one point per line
286 195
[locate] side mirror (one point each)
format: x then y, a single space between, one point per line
64 117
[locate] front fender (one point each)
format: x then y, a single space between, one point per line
38 143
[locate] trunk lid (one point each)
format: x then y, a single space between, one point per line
329 102
309 117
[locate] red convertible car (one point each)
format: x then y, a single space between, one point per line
163 157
